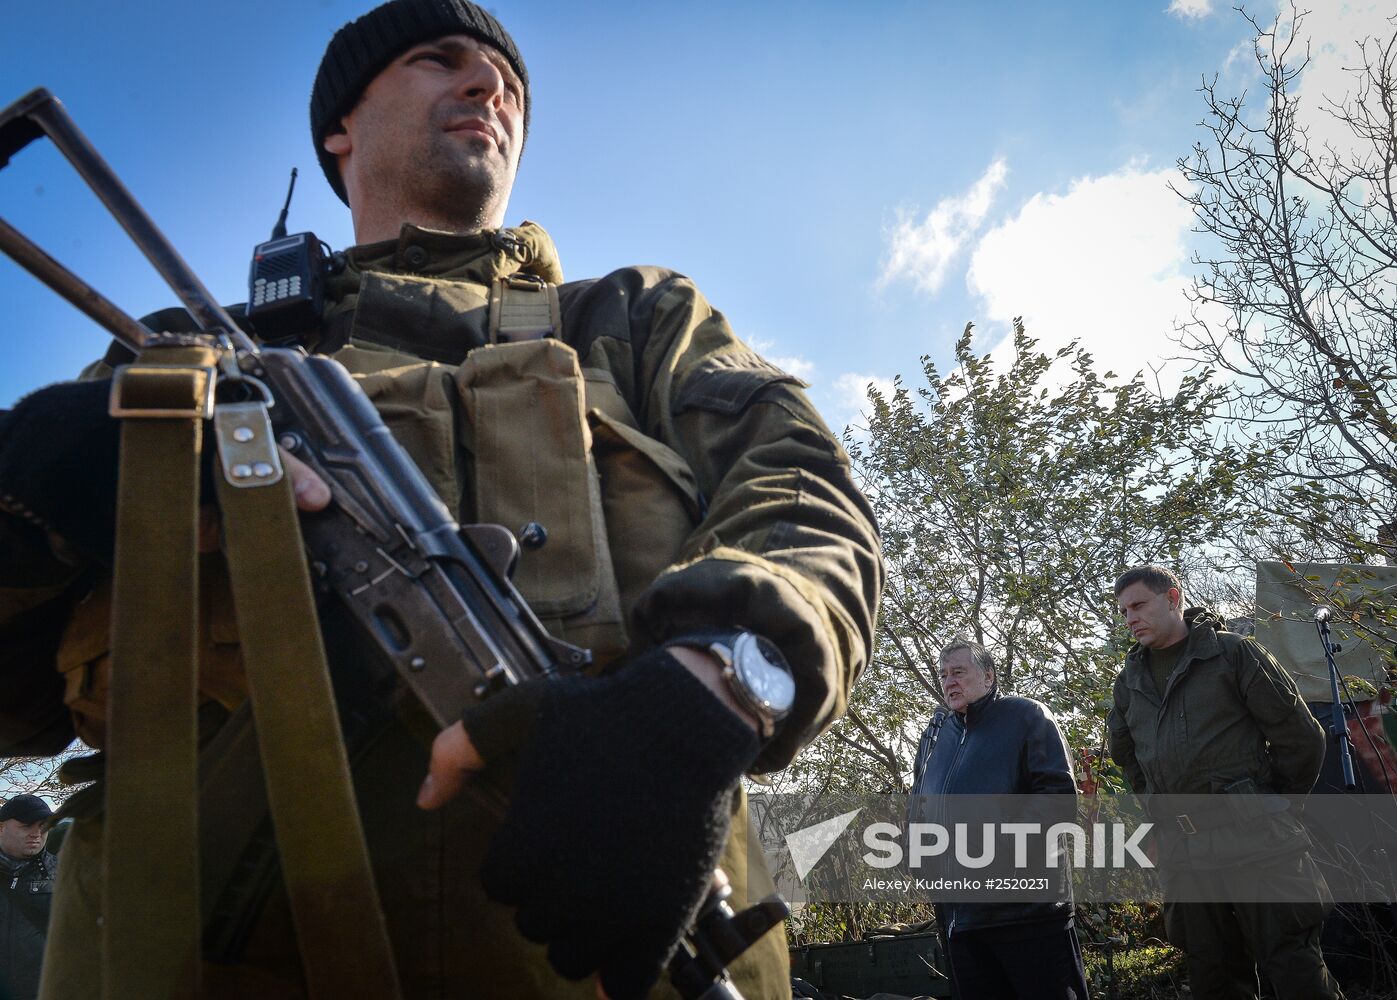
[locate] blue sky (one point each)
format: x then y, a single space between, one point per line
849 184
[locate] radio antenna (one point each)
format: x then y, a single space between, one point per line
279 230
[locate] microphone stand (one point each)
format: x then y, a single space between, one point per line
1337 726
1340 731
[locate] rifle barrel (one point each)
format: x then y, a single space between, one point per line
79 293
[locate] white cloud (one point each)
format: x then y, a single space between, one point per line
921 251
1240 57
1105 263
1190 10
850 398
1332 31
801 368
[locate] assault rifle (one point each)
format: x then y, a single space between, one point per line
432 599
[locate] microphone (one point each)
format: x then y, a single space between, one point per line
1322 613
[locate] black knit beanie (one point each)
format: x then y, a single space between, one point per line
363 47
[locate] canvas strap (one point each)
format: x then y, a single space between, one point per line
150 927
339 922
523 307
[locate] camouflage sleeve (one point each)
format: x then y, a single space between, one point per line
788 546
1296 740
1122 744
41 577
35 597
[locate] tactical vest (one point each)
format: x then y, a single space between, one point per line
519 433
525 433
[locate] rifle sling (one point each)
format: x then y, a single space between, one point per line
151 923
150 928
339 923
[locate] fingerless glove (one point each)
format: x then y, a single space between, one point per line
621 803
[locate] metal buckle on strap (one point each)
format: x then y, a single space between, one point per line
247 447
523 307
170 392
1185 824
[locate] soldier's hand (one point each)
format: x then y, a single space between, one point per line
621 804
312 494
454 759
58 466
311 491
58 450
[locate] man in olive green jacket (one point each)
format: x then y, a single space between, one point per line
689 501
1199 710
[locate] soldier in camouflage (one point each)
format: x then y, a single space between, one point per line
1199 710
692 501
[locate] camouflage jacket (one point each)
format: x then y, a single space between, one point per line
683 481
724 500
1229 713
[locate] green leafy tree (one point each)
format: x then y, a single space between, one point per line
1010 494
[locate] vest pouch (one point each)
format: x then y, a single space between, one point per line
415 402
400 320
650 499
525 424
83 661
84 658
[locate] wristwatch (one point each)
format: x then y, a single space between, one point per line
755 672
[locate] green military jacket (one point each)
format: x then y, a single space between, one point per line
683 482
1229 712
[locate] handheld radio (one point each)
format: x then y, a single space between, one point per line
286 282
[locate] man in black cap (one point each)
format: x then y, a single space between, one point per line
26 892
687 516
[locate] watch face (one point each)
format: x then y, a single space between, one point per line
763 674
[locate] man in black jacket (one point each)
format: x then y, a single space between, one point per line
993 744
27 871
